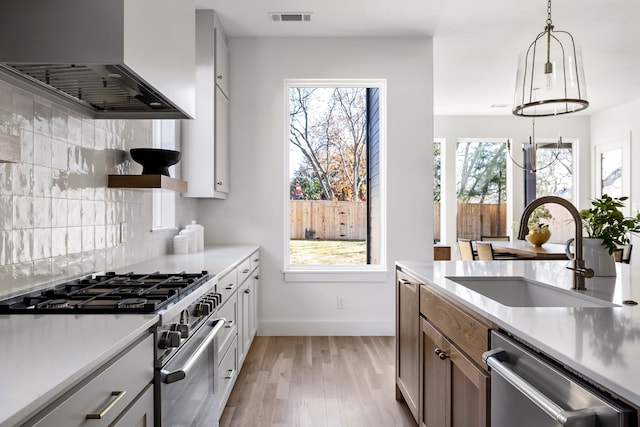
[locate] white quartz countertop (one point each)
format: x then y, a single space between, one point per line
42 356
601 343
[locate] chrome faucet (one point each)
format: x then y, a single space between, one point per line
579 269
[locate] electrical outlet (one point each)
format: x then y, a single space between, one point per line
122 233
340 302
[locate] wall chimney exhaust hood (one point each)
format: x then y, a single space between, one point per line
108 59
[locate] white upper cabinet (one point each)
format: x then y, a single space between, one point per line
222 61
205 140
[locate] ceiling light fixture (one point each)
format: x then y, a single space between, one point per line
550 77
531 165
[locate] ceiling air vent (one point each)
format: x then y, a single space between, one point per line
289 17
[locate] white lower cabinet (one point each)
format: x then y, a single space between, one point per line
240 314
140 414
227 373
119 392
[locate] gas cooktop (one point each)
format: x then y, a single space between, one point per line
107 293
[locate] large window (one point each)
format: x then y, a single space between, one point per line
553 177
164 135
334 185
481 184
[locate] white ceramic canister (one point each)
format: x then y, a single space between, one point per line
199 229
191 235
180 244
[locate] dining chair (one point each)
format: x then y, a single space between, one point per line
466 250
623 254
486 253
495 238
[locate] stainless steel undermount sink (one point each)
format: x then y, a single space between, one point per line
521 292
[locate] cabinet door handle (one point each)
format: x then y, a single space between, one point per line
100 415
219 183
230 374
440 353
245 271
247 291
219 76
256 277
230 286
229 324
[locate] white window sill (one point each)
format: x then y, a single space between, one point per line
332 274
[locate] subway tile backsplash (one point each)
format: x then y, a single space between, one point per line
58 219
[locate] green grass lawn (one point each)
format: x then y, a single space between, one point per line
328 252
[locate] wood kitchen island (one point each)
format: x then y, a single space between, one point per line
442 347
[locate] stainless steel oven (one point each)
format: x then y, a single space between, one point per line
186 352
528 390
188 382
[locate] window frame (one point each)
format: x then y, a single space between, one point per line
163 202
336 273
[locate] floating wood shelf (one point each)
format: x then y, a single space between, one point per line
147 181
9 148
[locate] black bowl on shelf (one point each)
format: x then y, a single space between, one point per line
155 161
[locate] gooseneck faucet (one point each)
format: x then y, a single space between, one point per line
579 269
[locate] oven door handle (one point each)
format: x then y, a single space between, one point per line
579 417
172 376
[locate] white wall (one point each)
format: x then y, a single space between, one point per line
451 128
254 211
610 124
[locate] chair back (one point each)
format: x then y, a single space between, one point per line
466 250
495 238
485 251
626 253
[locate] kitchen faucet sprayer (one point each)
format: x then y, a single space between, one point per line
579 269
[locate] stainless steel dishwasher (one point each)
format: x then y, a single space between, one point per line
529 391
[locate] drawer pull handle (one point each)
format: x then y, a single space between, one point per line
256 260
247 291
230 374
440 353
230 286
257 277
229 324
119 395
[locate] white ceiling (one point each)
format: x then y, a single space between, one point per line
476 43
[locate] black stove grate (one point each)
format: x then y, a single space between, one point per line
108 293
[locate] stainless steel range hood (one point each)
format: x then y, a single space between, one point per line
103 58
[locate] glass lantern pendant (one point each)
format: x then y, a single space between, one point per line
550 77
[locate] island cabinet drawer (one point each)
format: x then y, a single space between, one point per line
100 399
244 269
470 333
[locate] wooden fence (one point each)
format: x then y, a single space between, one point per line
325 220
319 219
476 219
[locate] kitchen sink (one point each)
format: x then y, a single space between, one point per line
521 292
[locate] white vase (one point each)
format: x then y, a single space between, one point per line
596 257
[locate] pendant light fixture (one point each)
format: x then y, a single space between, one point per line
532 166
550 77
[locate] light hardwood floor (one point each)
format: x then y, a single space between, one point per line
318 382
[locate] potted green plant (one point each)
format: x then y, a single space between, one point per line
606 229
604 220
539 232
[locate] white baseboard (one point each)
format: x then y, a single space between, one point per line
326 328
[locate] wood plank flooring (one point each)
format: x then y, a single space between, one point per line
317 382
